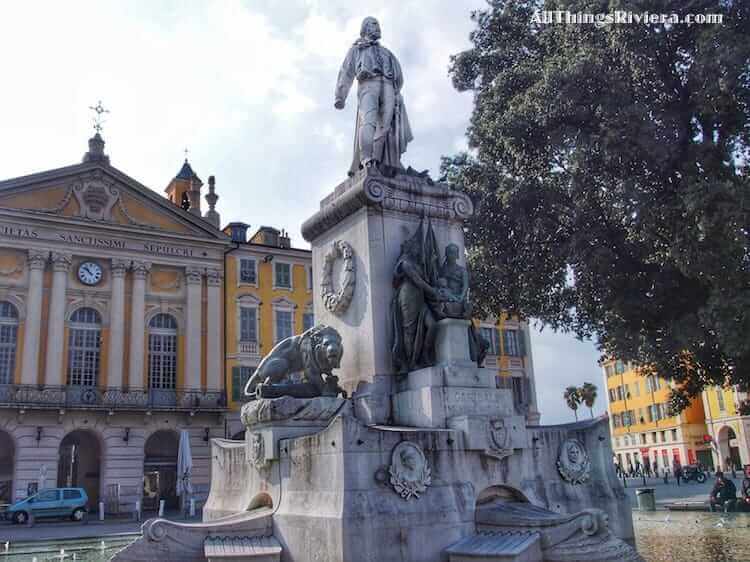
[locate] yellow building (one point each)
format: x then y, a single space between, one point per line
268 298
510 353
728 423
642 429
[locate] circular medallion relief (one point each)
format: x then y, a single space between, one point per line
573 462
410 474
337 299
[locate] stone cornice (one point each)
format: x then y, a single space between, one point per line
402 194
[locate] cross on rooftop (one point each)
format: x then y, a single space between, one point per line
99 111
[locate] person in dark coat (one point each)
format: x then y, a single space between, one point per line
723 495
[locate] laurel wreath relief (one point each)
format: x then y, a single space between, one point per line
338 300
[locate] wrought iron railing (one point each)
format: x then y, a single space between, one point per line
249 347
34 396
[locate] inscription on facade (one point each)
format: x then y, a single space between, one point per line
93 241
18 232
480 401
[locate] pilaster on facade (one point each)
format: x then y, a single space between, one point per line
141 270
214 348
61 263
118 269
37 261
193 362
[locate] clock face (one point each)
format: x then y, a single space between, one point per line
89 273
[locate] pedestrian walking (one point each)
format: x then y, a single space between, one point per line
677 470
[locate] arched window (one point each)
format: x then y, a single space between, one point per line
8 341
84 347
162 352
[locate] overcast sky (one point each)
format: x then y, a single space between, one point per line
247 88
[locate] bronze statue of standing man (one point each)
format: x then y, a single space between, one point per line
382 129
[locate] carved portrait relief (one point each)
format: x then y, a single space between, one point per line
573 462
256 453
410 474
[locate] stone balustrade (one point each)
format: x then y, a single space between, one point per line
46 397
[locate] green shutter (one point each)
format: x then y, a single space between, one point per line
236 383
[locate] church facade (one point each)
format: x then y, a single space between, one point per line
111 319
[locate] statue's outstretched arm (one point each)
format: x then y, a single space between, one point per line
345 79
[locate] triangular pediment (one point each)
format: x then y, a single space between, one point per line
99 193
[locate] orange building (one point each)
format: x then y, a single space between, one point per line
642 428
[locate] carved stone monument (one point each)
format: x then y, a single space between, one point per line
429 460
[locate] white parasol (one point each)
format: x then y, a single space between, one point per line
184 465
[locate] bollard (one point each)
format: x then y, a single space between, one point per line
644 478
101 511
666 476
646 499
192 507
137 510
624 481
161 508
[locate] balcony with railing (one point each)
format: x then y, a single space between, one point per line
119 399
248 348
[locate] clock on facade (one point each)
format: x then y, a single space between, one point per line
89 273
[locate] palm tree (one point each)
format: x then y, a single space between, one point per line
572 397
588 396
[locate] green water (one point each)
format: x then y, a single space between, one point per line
78 550
663 536
660 537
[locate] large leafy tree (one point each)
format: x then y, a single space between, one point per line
608 166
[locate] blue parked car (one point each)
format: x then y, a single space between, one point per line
51 502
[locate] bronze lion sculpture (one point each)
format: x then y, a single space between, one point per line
315 353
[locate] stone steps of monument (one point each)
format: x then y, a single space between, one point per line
238 548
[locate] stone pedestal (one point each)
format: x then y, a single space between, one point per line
430 397
452 341
373 214
268 421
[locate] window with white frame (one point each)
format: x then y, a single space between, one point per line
284 324
84 347
248 324
489 334
240 375
308 321
248 271
720 399
282 275
309 271
510 343
8 341
162 352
